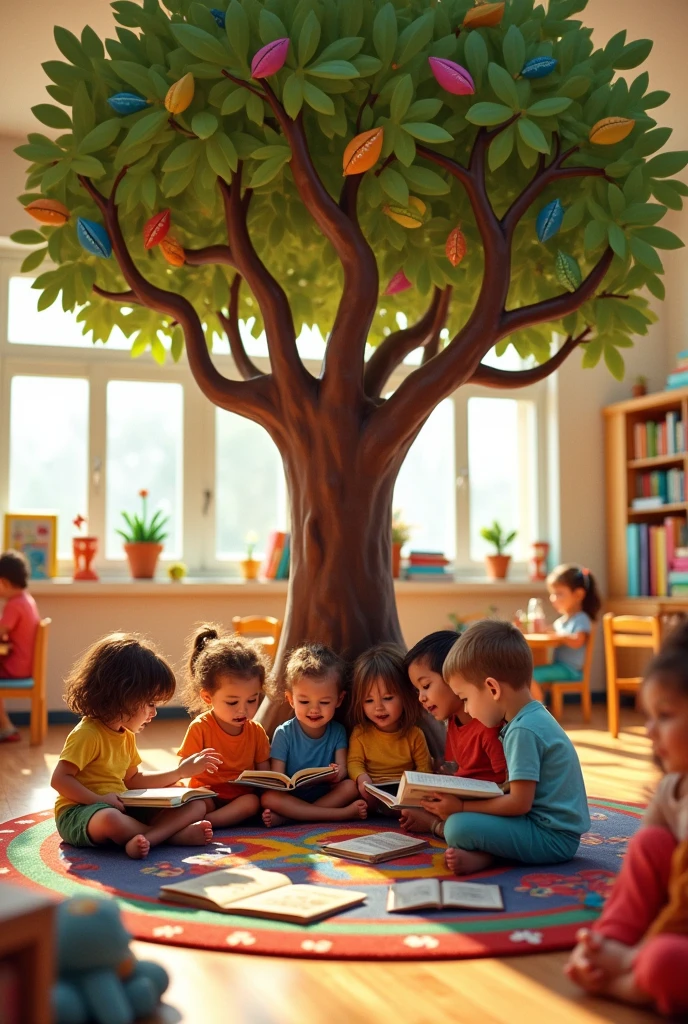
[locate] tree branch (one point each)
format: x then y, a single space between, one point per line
123 298
252 399
491 377
244 365
391 352
221 254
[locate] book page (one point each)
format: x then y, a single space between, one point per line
305 775
451 783
226 887
421 892
385 798
267 777
379 842
472 895
173 794
301 901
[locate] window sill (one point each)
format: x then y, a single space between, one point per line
64 586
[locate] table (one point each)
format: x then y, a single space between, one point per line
540 645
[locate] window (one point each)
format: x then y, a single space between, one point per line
27 325
49 450
251 491
144 452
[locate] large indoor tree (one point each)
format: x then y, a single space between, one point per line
479 168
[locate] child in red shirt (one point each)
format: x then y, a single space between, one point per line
18 625
471 749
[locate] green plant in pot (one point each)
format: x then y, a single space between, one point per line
143 539
401 532
497 565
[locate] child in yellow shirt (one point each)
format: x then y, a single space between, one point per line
385 741
116 686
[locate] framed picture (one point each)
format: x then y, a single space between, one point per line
35 535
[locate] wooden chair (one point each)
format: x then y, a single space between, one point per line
263 628
33 686
625 631
582 686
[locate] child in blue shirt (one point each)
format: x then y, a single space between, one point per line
542 817
573 593
314 687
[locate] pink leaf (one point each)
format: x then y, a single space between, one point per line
399 283
270 58
451 76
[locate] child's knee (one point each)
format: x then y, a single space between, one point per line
252 803
270 799
347 788
659 963
457 831
104 824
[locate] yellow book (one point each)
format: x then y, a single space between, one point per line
171 796
277 780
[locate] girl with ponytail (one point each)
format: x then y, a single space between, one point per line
573 593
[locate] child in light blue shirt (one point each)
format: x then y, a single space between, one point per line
573 593
542 817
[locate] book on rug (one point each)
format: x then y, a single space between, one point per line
277 780
431 894
258 893
375 848
171 796
416 785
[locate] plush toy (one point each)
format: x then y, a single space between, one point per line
99 979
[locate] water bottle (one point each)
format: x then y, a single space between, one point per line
536 616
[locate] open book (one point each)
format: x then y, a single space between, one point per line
258 893
431 894
415 785
276 780
171 796
374 848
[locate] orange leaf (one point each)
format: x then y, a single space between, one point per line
610 130
363 151
456 246
48 211
173 251
484 16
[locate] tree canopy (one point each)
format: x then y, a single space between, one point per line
529 145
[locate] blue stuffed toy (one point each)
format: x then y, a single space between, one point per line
99 979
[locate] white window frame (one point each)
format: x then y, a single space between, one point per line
98 366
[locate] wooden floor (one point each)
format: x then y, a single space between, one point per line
227 988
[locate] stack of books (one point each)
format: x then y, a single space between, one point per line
277 557
657 558
660 487
659 437
678 378
427 565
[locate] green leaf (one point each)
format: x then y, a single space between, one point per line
89 166
177 346
424 110
292 96
366 66
385 33
503 85
395 186
70 47
575 87
656 287
317 99
404 149
268 170
655 99
254 109
476 56
514 50
100 137
426 132
335 69
133 74
665 192
33 260
27 237
401 98
594 235
53 117
646 255
55 174
660 238
270 27
617 240
425 182
183 155
573 215
666 164
199 43
415 36
235 102
204 124
343 49
146 128
237 29
550 107
91 44
617 203
614 361
532 135
309 37
501 148
488 113
643 213
633 55
650 142
592 352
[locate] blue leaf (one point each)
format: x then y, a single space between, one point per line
549 220
539 67
93 238
127 103
219 16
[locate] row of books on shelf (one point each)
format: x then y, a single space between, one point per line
427 565
659 437
659 487
678 378
657 558
277 557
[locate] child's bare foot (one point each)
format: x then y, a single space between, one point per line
467 862
357 809
414 819
597 961
198 834
137 848
271 819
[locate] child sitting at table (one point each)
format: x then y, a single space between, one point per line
573 593
472 750
18 626
542 817
314 682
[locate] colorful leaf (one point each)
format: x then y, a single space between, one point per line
93 238
127 103
270 58
180 95
610 130
568 272
363 151
155 229
455 247
48 211
219 17
411 216
398 283
173 251
451 76
549 220
484 16
539 67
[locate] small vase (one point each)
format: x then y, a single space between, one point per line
396 560
638 390
249 568
84 549
537 567
143 558
497 566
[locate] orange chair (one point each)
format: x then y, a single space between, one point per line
625 631
33 686
262 628
558 689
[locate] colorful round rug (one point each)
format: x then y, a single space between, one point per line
544 906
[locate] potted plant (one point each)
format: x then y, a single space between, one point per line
401 532
497 565
143 539
250 565
84 550
639 387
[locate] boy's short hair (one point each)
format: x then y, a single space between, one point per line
314 661
491 648
14 568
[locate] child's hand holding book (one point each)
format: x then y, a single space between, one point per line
442 804
207 760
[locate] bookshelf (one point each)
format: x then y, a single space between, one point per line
625 468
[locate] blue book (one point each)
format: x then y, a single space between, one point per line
283 567
678 577
426 570
633 559
644 560
677 380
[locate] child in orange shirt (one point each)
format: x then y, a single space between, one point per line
225 680
18 625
